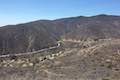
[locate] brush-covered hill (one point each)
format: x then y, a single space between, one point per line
24 38
44 33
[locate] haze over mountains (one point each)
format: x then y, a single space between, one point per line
40 34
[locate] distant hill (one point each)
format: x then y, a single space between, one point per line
24 38
44 33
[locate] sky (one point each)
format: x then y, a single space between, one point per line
21 11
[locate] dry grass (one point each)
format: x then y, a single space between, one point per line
89 63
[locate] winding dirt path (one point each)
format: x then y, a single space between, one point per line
34 52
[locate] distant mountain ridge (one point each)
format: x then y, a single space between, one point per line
44 33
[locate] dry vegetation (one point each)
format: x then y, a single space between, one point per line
95 60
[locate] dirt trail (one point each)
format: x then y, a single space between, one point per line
29 53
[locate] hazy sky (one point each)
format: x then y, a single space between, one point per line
20 11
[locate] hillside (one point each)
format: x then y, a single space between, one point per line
24 38
89 49
43 33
